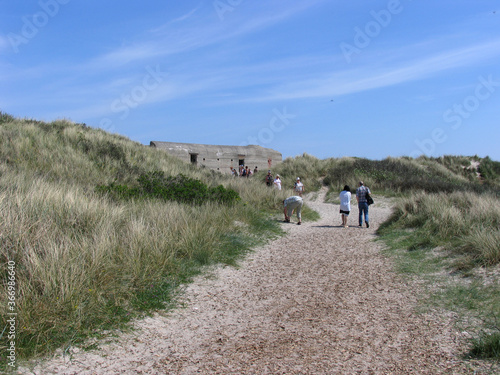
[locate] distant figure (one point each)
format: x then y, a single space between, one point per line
244 172
233 172
255 170
290 204
299 187
345 204
248 172
269 178
362 203
277 182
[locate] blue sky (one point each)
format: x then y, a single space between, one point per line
326 77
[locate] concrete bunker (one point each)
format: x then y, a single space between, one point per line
222 158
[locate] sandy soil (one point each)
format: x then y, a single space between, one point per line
321 300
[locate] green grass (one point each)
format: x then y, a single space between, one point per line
486 346
85 263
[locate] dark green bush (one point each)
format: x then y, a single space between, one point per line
171 188
489 169
4 117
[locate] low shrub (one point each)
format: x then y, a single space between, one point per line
489 169
178 188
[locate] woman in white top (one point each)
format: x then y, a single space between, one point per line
299 187
277 182
345 204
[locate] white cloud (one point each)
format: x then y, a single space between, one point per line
370 77
187 15
172 38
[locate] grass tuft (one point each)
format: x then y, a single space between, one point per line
487 346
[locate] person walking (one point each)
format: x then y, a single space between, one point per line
299 187
361 192
345 204
289 205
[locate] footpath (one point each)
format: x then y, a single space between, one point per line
320 300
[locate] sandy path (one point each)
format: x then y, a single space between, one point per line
321 300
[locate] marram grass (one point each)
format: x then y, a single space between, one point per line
82 259
467 224
85 262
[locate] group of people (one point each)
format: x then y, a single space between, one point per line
298 186
362 197
294 203
243 171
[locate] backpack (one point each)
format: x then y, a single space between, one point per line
369 199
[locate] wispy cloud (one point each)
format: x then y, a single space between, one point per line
344 82
172 38
187 15
270 17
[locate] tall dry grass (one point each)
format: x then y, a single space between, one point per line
81 258
85 262
401 176
468 224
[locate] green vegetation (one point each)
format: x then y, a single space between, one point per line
486 346
102 229
310 169
400 176
467 225
490 170
171 188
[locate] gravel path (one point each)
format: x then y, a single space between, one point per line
321 300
